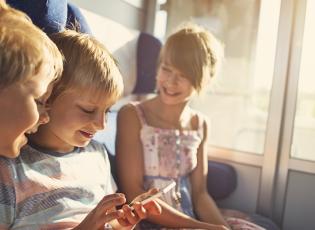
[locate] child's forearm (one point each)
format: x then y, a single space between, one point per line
207 210
173 218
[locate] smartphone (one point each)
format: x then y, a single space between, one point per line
162 191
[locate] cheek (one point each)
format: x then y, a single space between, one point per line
67 119
159 81
30 116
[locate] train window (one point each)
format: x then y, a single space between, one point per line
238 100
160 20
304 125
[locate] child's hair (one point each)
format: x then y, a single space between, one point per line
24 48
195 52
88 66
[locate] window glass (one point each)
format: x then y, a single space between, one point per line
304 125
237 101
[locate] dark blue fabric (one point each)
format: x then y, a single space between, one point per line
221 180
52 15
49 15
147 60
75 16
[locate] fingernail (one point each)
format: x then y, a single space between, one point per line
120 213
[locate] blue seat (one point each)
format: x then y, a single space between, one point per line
52 15
148 50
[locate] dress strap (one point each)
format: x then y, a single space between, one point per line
140 112
201 120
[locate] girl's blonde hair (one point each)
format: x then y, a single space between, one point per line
194 51
24 48
88 66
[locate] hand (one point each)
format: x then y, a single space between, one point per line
103 213
135 212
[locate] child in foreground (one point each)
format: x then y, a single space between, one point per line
29 63
62 178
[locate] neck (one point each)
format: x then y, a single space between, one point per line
46 139
176 115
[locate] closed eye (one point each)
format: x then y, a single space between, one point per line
88 111
166 69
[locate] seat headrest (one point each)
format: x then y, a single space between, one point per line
147 62
52 15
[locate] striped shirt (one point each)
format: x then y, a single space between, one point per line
50 190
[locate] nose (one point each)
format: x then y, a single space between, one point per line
100 121
172 79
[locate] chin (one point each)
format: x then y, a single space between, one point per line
10 151
82 143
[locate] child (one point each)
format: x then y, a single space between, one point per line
63 174
167 140
29 62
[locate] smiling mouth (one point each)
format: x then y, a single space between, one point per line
86 134
170 93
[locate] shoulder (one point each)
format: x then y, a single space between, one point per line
200 120
94 145
129 113
5 165
128 108
98 149
7 193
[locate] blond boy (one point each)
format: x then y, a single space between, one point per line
29 62
63 176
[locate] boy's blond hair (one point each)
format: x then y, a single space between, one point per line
88 66
24 48
194 51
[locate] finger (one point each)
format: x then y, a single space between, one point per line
140 210
112 215
131 216
123 222
113 200
153 208
143 196
153 191
139 198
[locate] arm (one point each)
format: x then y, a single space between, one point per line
204 205
129 156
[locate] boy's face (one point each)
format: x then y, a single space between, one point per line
75 116
22 111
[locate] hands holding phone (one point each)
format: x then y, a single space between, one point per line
127 216
136 210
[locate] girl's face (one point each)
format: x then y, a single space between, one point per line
75 117
22 111
173 86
